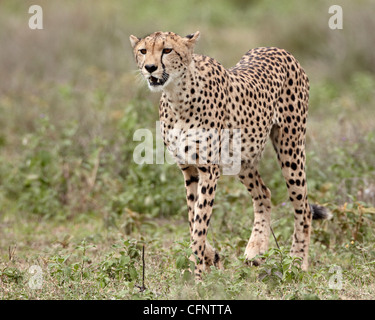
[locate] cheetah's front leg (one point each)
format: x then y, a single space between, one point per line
258 242
191 176
200 218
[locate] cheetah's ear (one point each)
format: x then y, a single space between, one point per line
192 38
134 40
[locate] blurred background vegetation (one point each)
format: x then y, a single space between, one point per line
70 102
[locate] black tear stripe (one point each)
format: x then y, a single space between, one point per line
178 54
165 75
161 61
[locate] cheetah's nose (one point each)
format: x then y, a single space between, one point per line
150 67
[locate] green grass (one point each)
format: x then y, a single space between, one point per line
74 203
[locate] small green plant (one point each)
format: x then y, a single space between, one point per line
121 264
185 267
11 274
279 266
84 272
66 267
60 269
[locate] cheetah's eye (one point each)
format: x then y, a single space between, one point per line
143 51
167 50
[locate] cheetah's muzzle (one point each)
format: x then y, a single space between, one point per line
153 81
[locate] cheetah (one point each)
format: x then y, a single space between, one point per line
265 95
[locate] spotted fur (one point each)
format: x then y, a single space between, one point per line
265 95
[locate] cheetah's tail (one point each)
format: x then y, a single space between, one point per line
320 212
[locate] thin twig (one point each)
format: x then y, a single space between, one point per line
11 251
92 178
143 288
143 268
278 247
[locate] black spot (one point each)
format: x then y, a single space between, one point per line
217 258
191 180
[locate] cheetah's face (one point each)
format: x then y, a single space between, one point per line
163 57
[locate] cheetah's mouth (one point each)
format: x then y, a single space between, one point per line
154 82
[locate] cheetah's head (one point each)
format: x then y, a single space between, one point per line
163 57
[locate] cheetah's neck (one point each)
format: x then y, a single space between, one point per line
179 92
